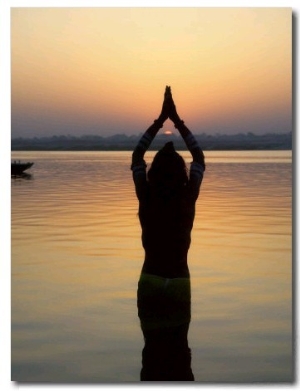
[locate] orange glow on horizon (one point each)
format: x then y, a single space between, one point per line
106 68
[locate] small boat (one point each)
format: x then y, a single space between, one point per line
17 168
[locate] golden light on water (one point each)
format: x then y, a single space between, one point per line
168 132
75 268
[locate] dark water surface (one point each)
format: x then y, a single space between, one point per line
76 259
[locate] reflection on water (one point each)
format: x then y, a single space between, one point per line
164 309
23 175
76 258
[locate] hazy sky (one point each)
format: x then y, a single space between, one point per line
103 70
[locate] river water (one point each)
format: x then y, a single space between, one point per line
76 256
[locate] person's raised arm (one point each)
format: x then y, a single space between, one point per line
186 134
198 164
138 164
150 133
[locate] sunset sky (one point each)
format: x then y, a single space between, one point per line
103 70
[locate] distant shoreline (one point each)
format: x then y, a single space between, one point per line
122 142
128 150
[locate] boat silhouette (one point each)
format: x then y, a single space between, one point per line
17 168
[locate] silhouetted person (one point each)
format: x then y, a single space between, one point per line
167 197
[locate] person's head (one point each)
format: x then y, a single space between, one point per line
168 169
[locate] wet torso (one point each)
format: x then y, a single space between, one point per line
166 235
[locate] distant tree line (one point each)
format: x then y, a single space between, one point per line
123 142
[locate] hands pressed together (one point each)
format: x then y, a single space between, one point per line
169 108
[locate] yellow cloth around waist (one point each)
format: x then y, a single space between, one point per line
163 302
